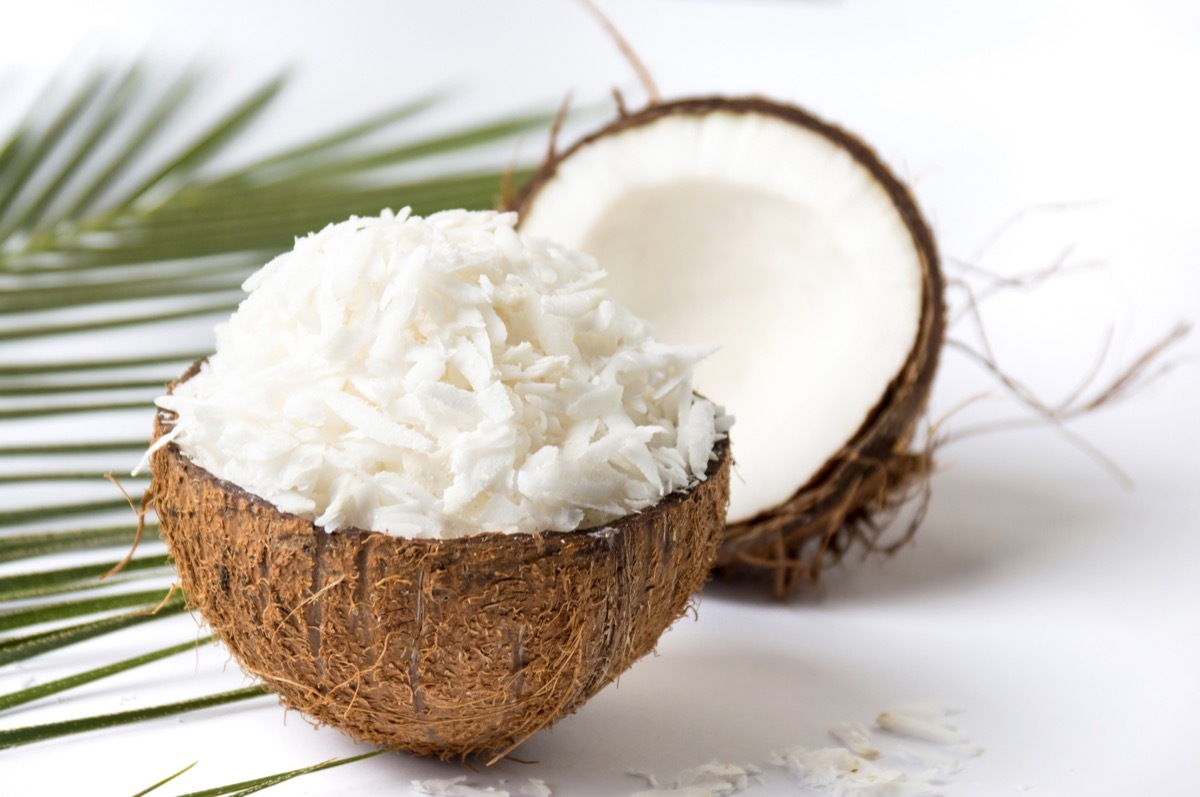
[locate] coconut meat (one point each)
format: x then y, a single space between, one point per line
442 377
766 237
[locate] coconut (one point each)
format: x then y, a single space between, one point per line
787 240
436 646
434 487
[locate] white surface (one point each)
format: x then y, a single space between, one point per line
1059 610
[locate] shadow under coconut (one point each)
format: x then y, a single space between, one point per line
689 707
667 714
982 523
749 692
985 525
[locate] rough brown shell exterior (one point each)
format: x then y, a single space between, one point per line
842 506
439 647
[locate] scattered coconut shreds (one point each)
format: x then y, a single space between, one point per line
925 721
856 737
708 780
837 772
943 762
455 787
458 787
707 790
968 749
440 377
736 776
536 788
871 766
649 777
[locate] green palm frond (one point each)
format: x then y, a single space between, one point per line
17 737
17 517
43 613
20 648
32 693
16 547
247 787
165 781
44 583
114 248
99 364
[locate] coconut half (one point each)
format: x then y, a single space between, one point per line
437 646
787 241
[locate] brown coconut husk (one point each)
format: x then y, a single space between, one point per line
438 647
842 507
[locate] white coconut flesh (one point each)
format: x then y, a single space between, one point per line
440 377
770 239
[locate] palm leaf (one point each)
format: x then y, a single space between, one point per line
11 389
321 147
16 737
28 546
13 649
66 610
51 476
29 158
164 781
163 111
208 143
98 364
95 130
115 321
78 292
258 784
100 244
42 410
67 579
17 517
32 693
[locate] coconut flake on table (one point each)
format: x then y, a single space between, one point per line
871 765
928 722
837 772
536 788
440 377
713 779
935 759
855 737
455 787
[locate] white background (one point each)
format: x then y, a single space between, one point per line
1060 610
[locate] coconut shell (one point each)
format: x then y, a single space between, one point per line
438 647
843 506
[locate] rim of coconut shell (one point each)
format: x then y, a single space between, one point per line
667 548
844 504
721 448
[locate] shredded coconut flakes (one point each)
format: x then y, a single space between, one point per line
856 737
536 788
441 377
837 772
708 780
455 787
866 766
925 721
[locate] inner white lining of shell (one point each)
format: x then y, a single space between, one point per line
766 237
